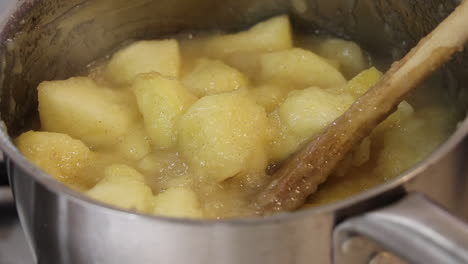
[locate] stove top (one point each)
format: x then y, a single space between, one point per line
13 246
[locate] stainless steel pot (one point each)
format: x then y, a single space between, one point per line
53 39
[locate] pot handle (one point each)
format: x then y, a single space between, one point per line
415 229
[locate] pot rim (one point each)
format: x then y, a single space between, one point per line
15 158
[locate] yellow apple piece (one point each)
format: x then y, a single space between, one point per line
303 115
270 35
363 81
213 77
403 113
348 54
161 101
178 202
135 145
57 154
299 68
222 135
123 187
160 56
269 96
79 108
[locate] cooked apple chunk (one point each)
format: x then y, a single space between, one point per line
363 81
270 35
160 56
303 115
212 77
222 135
79 108
269 96
178 202
124 187
161 101
57 154
135 145
350 57
299 68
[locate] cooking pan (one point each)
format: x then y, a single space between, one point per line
416 217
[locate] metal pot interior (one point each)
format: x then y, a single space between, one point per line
56 39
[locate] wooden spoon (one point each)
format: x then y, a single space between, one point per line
303 172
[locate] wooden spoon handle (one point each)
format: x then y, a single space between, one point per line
304 171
